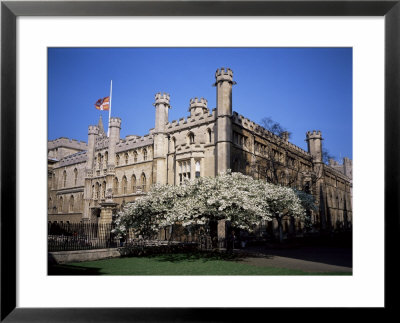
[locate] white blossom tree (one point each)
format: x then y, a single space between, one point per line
237 198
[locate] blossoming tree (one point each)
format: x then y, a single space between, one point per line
239 199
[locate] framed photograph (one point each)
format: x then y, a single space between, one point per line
32 31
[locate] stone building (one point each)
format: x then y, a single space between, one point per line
87 182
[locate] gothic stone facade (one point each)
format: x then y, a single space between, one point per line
86 182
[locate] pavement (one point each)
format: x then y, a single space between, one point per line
308 259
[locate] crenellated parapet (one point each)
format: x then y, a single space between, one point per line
162 98
315 134
67 143
224 74
76 158
115 122
191 121
255 128
134 143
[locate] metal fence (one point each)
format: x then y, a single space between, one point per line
80 236
86 236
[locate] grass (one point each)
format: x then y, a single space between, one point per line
175 264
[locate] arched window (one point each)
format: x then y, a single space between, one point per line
75 176
115 185
64 178
190 138
97 193
197 168
117 160
209 135
92 191
126 158
50 204
99 159
143 181
124 185
144 154
60 205
104 190
106 158
133 180
71 204
135 157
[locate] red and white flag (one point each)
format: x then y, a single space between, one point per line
103 104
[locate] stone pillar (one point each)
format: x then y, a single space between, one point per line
223 83
87 193
160 138
115 128
314 143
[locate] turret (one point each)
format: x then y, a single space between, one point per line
162 105
198 106
314 143
224 82
92 134
348 167
115 128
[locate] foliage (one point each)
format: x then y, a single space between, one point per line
274 127
235 197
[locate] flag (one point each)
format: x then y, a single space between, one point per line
103 104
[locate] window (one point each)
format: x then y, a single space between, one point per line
97 190
133 180
71 204
106 158
143 180
104 190
92 191
191 138
99 159
124 185
144 154
50 203
117 160
209 135
60 205
64 178
183 170
126 158
75 176
135 157
197 168
115 185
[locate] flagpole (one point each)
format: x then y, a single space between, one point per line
109 111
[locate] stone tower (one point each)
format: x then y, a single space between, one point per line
115 128
160 138
314 144
224 82
198 106
93 133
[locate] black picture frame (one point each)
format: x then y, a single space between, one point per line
10 10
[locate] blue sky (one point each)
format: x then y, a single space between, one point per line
301 88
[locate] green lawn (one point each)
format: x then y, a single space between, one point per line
174 264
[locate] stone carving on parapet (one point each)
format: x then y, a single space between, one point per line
189 122
79 157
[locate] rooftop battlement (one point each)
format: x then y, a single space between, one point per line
133 143
198 103
162 98
224 74
67 143
76 158
262 132
93 130
198 118
115 122
315 134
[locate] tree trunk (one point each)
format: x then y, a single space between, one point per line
279 219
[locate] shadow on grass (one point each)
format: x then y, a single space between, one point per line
199 256
60 269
